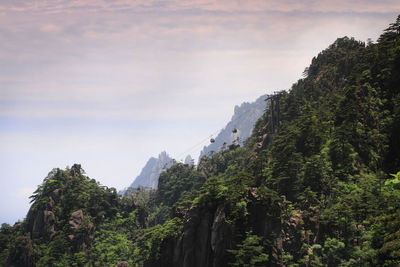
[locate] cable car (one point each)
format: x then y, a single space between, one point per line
234 130
212 140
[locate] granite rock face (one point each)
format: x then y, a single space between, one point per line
148 177
189 160
243 120
82 231
41 223
122 264
76 220
205 239
208 236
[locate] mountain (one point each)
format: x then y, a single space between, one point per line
148 177
189 160
316 184
243 120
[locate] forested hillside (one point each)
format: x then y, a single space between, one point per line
317 184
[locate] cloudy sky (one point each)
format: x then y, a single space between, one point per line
110 83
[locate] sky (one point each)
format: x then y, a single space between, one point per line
108 84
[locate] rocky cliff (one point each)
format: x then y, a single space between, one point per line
148 177
317 184
313 186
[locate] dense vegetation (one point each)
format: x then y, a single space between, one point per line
317 184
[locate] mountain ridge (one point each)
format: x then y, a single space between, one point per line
243 119
316 184
148 177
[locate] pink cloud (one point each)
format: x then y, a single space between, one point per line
50 28
62 6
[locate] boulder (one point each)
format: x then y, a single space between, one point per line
82 233
121 264
76 220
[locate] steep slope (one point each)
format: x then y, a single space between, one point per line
312 187
317 184
189 160
73 220
243 119
148 177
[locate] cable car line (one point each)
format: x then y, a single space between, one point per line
211 139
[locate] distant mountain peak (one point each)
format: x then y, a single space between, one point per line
189 160
239 128
148 177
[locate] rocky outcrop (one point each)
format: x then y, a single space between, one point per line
221 237
206 236
76 220
43 225
243 120
82 231
196 245
189 160
297 228
122 264
148 177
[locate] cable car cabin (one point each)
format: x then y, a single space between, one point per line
212 140
234 130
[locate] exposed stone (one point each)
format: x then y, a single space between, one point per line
49 221
207 236
43 225
254 193
121 264
205 239
196 238
148 177
220 237
243 120
37 225
55 195
76 220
